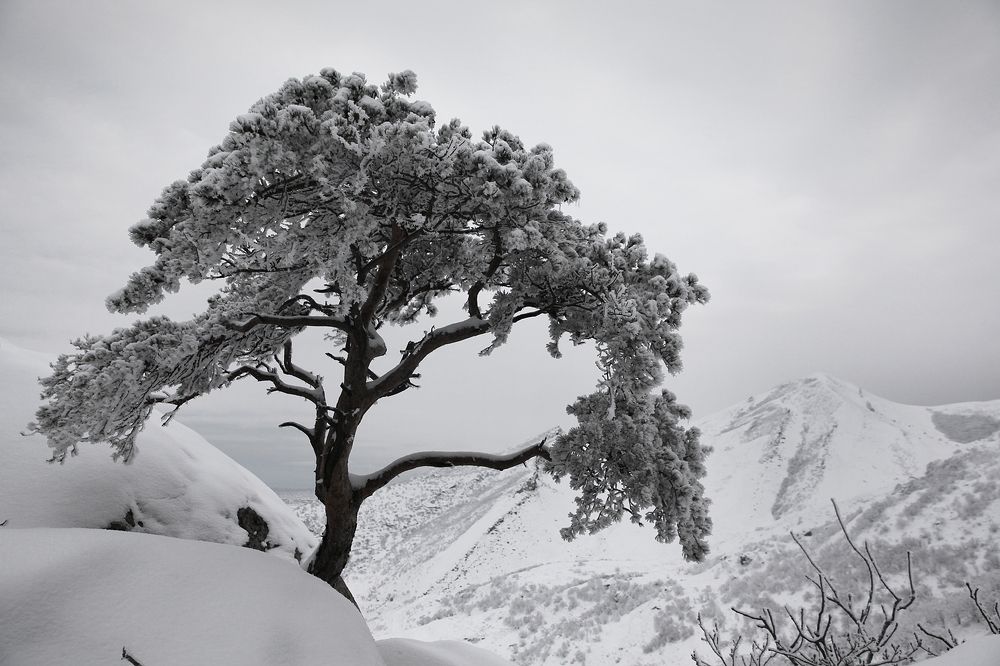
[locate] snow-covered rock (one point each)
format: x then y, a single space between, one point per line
178 484
81 597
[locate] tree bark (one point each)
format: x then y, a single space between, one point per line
341 507
335 548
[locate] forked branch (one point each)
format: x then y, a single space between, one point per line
814 640
760 654
993 623
265 374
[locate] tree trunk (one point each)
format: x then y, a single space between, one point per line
341 507
335 548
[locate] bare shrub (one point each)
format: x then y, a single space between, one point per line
842 629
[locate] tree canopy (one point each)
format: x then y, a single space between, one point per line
344 206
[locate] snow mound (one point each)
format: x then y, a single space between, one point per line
178 485
73 596
979 651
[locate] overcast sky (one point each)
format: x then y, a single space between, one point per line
831 171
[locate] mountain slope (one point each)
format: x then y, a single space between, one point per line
476 554
815 439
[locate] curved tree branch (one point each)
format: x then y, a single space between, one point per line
288 367
313 395
308 432
417 352
283 321
366 485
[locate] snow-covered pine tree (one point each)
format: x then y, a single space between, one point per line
356 191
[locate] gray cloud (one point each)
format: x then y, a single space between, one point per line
828 169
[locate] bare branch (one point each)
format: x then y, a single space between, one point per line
176 401
366 485
994 626
418 351
308 432
278 384
302 321
868 565
948 644
129 658
343 361
311 303
818 642
529 315
288 367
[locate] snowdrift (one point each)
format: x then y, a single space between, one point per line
74 596
979 651
178 484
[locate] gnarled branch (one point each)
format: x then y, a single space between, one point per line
289 368
302 321
308 432
366 485
313 395
417 352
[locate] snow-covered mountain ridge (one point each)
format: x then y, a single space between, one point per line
477 554
820 438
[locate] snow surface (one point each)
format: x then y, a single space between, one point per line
81 597
979 651
178 484
408 652
91 596
476 554
77 596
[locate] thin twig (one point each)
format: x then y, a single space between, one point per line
129 658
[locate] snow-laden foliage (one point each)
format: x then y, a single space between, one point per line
649 468
345 206
181 486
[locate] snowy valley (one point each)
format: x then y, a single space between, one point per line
477 554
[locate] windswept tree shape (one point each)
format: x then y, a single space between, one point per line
343 206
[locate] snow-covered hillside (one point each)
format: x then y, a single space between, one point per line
178 484
476 554
820 438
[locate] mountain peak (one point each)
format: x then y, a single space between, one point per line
812 439
827 378
819 392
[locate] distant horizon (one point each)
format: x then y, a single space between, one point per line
368 461
828 170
